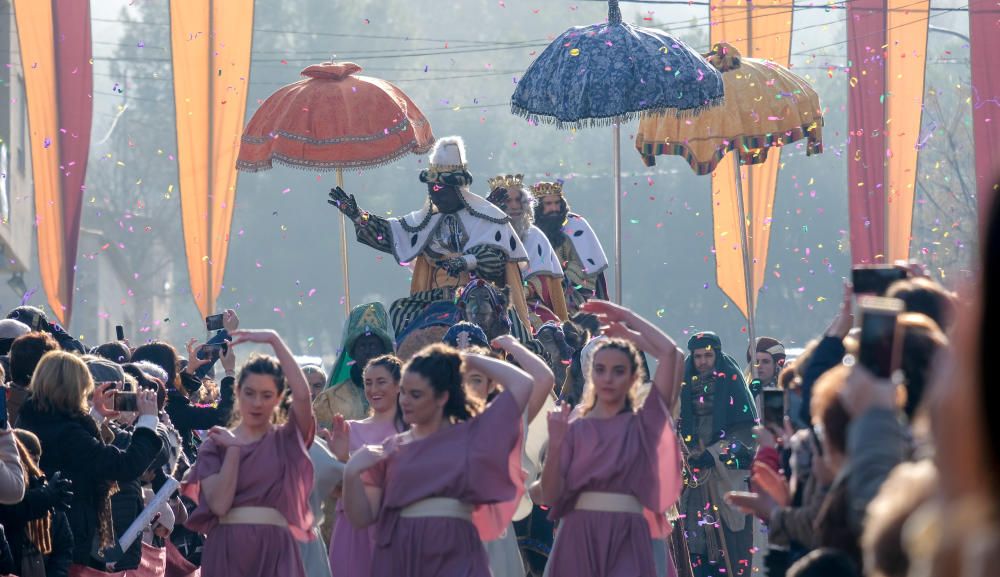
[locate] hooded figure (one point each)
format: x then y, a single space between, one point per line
455 236
717 419
367 335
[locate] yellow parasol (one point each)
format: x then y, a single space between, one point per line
766 106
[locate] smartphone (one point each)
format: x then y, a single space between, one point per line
774 408
880 347
126 401
120 332
211 352
214 322
875 279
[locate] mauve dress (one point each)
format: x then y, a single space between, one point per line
476 462
351 548
274 472
631 453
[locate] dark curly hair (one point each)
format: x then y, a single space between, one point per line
162 355
442 366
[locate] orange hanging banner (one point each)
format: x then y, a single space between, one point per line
906 25
36 37
211 43
761 30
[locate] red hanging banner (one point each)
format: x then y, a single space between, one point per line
866 40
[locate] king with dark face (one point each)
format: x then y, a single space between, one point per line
455 236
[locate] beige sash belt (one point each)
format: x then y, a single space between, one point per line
438 507
608 502
254 516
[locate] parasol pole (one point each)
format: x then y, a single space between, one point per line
616 164
747 264
345 269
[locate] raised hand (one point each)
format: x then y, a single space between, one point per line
230 320
344 202
103 400
228 358
223 437
499 198
558 421
772 483
340 438
194 363
365 458
265 336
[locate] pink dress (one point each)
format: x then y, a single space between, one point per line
274 472
476 462
350 548
631 453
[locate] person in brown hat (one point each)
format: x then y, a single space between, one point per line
769 358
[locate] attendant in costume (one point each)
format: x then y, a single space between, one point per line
437 491
768 359
455 236
252 482
717 418
367 335
350 548
612 473
579 251
505 558
542 271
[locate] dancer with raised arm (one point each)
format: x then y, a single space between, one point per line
252 481
453 480
617 465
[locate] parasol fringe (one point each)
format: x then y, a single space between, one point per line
602 122
751 148
268 163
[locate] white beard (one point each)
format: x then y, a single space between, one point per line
522 224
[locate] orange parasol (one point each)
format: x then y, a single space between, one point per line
334 120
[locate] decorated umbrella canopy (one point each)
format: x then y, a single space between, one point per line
766 106
334 120
609 73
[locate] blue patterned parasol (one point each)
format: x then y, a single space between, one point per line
611 72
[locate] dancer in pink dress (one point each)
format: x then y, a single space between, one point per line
252 482
435 492
350 548
617 465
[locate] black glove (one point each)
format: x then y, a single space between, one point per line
454 266
739 456
499 198
59 492
344 202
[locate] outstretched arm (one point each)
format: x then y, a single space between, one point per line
623 323
517 382
541 375
301 409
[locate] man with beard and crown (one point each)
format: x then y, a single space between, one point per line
579 251
367 334
456 236
717 419
542 272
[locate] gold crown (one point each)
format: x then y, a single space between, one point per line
507 181
547 189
